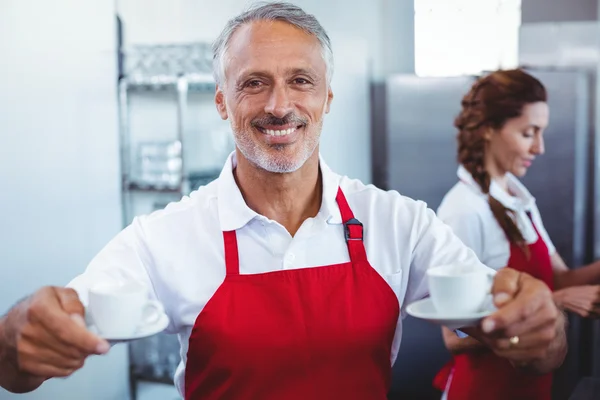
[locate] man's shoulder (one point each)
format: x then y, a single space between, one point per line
380 201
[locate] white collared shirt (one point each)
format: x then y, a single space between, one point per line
178 252
466 210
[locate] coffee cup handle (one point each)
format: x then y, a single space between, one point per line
152 312
491 274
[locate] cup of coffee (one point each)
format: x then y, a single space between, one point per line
120 310
459 290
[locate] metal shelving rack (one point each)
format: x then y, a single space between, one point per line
180 85
180 78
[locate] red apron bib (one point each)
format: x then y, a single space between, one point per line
311 333
484 375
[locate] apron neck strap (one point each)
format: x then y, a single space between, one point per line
353 230
232 260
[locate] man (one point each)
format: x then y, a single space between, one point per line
275 288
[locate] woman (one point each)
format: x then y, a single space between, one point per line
500 133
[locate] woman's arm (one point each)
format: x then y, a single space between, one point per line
565 277
582 300
575 290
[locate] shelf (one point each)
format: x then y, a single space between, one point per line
195 82
140 377
136 187
195 180
146 374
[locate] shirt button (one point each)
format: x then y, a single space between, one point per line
289 260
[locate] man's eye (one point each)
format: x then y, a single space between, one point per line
254 83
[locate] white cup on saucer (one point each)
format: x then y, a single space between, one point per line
458 290
120 310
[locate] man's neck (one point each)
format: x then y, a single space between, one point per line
288 198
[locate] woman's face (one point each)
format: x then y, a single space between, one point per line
513 148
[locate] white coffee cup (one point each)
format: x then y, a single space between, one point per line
459 290
120 310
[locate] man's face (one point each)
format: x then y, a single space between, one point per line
275 93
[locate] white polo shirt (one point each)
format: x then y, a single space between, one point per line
466 210
177 253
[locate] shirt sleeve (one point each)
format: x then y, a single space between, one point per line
537 220
435 245
125 259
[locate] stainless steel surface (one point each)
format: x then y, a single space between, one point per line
182 111
559 10
560 44
595 233
421 149
560 182
125 144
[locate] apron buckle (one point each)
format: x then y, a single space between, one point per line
347 233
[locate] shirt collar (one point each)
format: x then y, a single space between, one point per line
233 210
520 200
330 211
234 213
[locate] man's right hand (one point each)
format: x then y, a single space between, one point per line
45 336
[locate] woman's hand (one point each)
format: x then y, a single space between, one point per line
582 300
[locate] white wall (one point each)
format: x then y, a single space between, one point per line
370 39
59 169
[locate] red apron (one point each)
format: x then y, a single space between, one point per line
484 375
312 333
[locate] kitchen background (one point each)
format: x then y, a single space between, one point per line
94 129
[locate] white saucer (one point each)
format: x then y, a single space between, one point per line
144 331
424 309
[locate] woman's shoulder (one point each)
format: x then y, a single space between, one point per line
463 200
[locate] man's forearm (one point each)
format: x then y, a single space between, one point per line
11 378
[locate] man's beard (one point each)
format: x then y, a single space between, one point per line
276 159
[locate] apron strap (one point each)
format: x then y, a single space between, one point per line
232 260
353 230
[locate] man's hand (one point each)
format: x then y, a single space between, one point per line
43 337
528 329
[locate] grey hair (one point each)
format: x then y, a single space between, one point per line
271 11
